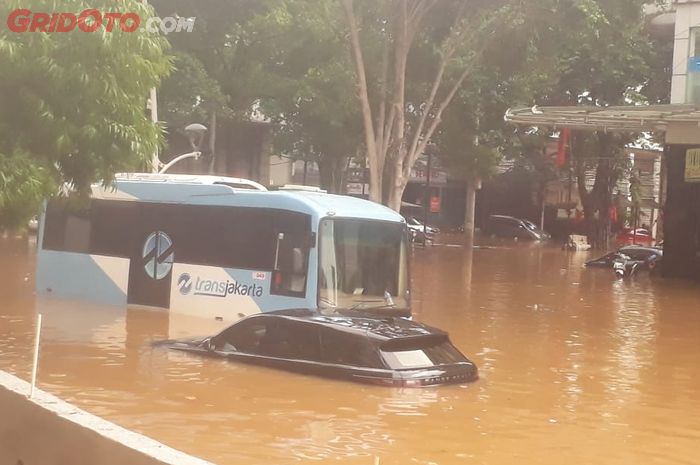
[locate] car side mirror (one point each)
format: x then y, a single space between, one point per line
206 344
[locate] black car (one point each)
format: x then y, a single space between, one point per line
633 253
354 347
509 227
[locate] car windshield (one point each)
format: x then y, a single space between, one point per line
363 264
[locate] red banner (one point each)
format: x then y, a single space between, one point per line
435 204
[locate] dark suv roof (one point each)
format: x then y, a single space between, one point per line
379 329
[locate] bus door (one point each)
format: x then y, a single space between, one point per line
151 263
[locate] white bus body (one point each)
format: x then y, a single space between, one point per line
222 248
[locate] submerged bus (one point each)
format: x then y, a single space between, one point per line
223 248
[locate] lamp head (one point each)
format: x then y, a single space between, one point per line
195 132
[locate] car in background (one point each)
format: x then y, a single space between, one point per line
639 236
415 224
418 233
509 227
345 344
631 253
417 236
33 224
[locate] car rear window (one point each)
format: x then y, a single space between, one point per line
348 349
421 354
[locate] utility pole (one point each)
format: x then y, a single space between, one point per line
427 196
473 185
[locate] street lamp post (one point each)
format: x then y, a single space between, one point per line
195 132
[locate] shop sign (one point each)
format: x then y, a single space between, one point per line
692 165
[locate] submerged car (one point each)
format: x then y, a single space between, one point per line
629 253
351 346
509 227
639 236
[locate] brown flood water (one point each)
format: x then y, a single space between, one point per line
576 368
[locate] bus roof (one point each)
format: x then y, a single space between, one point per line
223 191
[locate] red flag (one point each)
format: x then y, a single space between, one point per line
563 145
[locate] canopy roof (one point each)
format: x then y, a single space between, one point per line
617 119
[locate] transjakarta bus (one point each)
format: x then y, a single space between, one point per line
223 248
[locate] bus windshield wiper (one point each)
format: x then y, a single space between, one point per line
360 303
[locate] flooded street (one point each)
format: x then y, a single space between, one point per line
576 367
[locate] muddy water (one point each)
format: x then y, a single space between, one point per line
576 368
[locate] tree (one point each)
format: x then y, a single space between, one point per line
214 76
283 58
73 105
400 124
305 84
472 139
189 95
470 148
606 64
598 53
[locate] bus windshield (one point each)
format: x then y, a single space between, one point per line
363 265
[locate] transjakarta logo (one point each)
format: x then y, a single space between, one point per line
184 283
91 20
213 288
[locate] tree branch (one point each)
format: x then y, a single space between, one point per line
449 48
370 138
436 120
381 120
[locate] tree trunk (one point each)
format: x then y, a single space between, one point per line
332 173
375 164
394 141
469 214
596 203
396 185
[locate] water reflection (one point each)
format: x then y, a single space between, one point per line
575 367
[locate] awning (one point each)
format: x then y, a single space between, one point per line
616 119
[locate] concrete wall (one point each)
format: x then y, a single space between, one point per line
687 17
47 431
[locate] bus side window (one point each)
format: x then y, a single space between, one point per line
289 278
67 227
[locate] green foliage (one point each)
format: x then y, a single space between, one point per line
594 52
215 52
289 59
189 94
601 50
283 58
23 185
306 84
73 104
